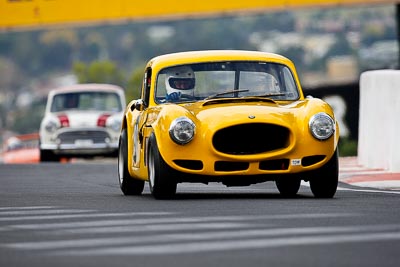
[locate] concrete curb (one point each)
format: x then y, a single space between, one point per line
351 172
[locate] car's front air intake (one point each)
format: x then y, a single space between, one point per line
251 138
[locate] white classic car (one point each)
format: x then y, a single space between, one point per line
82 120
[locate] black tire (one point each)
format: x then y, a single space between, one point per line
288 186
161 177
324 181
128 184
48 156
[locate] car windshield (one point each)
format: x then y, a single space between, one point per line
99 101
187 83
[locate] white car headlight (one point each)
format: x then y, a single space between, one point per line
115 125
182 130
51 126
322 126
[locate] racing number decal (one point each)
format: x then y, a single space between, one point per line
296 162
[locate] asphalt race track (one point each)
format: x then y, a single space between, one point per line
75 215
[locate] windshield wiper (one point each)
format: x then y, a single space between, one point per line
243 90
272 94
225 93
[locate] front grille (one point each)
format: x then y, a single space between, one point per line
97 137
248 139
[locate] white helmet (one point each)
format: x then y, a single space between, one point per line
180 79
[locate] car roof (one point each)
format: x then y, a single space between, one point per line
214 56
86 86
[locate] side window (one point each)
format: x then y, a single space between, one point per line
146 87
57 104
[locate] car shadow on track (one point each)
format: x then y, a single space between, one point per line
234 195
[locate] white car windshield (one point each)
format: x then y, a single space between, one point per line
99 101
193 82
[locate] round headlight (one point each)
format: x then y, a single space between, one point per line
115 125
51 126
182 130
322 126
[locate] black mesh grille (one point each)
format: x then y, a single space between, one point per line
248 139
71 137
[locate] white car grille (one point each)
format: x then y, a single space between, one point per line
97 137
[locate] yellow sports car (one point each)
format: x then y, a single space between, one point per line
235 117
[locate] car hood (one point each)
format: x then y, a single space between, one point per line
220 113
243 110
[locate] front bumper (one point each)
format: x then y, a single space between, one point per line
71 149
83 142
301 154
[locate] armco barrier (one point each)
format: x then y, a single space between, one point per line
379 120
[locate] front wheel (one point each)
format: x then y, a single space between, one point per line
128 184
288 186
161 177
324 181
